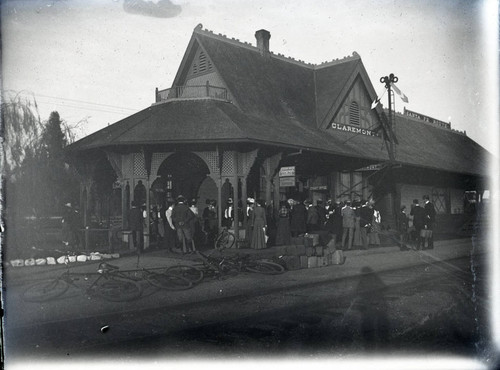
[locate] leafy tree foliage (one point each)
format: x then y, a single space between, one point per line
37 180
21 128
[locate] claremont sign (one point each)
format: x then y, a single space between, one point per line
354 130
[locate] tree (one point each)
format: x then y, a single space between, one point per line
37 180
57 181
53 140
21 127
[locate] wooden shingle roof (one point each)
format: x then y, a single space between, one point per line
209 121
263 86
283 102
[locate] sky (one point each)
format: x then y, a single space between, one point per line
96 62
99 61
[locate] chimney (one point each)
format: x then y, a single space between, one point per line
263 37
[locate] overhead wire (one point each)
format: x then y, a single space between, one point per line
86 108
85 102
80 104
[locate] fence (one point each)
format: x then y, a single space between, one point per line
191 92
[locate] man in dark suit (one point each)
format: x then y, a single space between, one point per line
181 218
430 219
419 217
136 224
322 212
365 222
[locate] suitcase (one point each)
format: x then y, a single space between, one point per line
298 240
308 242
303 262
310 251
315 239
338 258
312 262
291 250
322 261
301 250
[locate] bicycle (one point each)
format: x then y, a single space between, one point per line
225 239
110 285
243 263
224 266
210 267
159 278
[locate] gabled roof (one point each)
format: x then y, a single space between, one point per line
266 87
209 121
331 85
283 102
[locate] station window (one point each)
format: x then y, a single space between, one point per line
354 114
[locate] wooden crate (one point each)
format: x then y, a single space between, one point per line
291 262
303 262
312 262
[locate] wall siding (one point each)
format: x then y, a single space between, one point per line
410 192
358 93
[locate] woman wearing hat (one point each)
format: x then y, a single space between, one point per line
283 235
210 219
298 217
259 226
249 225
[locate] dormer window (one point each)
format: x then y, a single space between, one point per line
354 114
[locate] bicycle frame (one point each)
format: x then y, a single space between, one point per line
225 239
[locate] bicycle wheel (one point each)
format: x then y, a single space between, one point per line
117 289
224 240
264 267
189 272
169 282
45 290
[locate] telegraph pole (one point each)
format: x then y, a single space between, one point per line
388 80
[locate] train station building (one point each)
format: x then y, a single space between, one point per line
240 121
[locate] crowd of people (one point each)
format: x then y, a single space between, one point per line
346 224
179 226
416 228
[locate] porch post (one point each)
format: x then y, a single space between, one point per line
220 155
276 198
244 196
219 202
147 164
248 161
236 197
271 166
268 189
125 203
87 184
